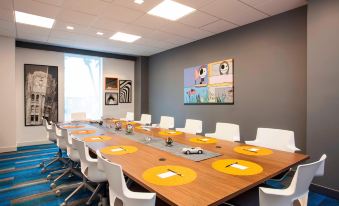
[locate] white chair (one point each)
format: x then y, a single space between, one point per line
298 189
91 173
275 139
166 122
129 117
146 119
50 134
192 126
118 187
226 131
78 116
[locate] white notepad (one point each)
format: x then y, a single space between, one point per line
240 167
253 149
116 150
166 174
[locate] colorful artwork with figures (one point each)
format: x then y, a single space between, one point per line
209 83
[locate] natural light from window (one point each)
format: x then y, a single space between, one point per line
83 90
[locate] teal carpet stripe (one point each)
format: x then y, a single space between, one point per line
37 147
45 150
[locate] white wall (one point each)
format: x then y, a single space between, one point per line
121 69
7 89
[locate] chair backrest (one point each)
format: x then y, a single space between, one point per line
166 122
78 116
275 138
146 119
305 174
193 126
130 116
227 131
115 177
83 153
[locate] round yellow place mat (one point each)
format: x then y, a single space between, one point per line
169 175
169 132
124 122
85 131
119 150
97 138
252 150
72 127
237 167
203 140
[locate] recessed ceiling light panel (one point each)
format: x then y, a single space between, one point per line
34 20
171 10
120 36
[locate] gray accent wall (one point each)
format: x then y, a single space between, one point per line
323 86
141 86
270 77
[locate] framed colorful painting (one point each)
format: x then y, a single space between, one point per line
211 83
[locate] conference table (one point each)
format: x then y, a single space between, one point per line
209 187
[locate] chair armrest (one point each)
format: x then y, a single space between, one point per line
293 148
155 125
278 192
252 142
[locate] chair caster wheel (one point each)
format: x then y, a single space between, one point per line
49 177
41 164
44 170
53 186
58 194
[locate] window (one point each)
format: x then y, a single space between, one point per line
83 90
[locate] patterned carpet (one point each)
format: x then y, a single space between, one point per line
22 183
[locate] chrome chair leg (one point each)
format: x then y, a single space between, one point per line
95 194
81 186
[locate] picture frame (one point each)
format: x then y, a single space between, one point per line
111 98
125 91
111 83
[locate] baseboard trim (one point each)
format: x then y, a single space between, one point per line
325 191
21 144
7 149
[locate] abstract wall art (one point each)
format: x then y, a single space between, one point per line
111 98
111 83
211 83
41 94
125 91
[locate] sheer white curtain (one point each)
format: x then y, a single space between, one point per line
83 87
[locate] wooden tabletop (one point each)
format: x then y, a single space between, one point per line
210 187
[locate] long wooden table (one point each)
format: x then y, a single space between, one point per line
210 187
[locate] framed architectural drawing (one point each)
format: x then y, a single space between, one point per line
125 91
211 83
41 94
111 98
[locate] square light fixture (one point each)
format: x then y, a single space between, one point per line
139 1
70 27
34 20
120 36
171 10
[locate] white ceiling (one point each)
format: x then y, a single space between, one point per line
110 16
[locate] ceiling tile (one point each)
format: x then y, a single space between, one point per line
145 7
172 38
76 17
92 31
120 13
60 25
152 22
195 4
273 7
218 26
6 4
234 11
6 15
32 37
154 43
37 8
86 6
138 30
52 2
186 31
198 19
108 24
33 30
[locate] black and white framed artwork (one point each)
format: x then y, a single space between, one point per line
111 98
125 91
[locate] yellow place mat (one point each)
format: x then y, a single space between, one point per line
203 140
119 150
97 138
237 167
252 150
85 131
169 132
169 175
72 127
124 122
